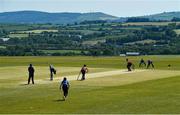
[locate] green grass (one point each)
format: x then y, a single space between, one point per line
160 62
114 94
146 92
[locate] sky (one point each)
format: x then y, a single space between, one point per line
120 8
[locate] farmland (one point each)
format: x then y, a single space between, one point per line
90 38
149 23
177 31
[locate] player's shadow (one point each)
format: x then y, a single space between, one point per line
58 100
24 84
80 80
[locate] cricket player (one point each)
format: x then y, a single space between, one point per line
84 70
130 65
31 73
52 72
150 63
64 86
142 62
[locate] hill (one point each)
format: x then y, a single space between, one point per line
55 18
165 16
64 18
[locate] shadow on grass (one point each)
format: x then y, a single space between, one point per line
58 100
23 84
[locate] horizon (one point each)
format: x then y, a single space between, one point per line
118 8
83 12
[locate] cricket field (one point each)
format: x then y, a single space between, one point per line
108 89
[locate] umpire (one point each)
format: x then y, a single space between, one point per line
52 72
31 73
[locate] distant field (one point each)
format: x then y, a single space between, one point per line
17 27
93 42
177 31
37 31
149 23
24 34
2 47
143 42
86 32
14 35
131 28
61 51
24 27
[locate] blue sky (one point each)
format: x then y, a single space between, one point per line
121 8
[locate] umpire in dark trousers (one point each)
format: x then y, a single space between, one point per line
31 73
